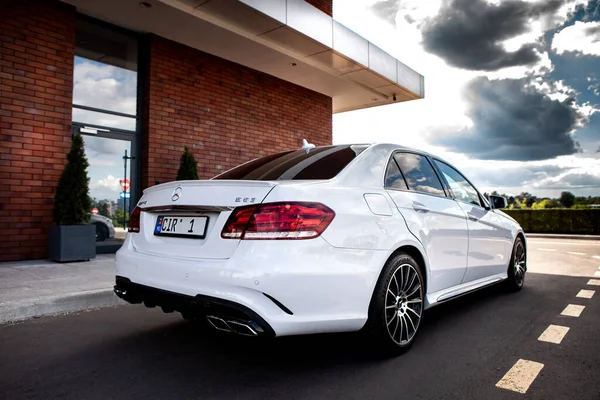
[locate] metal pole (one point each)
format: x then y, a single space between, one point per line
124 191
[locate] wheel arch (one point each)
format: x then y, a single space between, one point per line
521 235
415 253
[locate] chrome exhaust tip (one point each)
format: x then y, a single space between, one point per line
218 323
237 327
241 328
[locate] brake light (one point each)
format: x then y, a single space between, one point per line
276 221
237 222
134 220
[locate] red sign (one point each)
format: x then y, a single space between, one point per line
94 211
124 185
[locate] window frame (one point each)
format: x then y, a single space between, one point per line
435 171
483 204
387 168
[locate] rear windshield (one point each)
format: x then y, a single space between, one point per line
318 163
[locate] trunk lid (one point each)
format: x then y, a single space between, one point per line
193 204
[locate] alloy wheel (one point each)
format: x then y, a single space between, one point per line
404 304
520 268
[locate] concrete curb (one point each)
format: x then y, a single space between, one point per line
561 236
51 305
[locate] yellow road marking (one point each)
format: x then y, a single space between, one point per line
586 294
572 310
520 376
554 334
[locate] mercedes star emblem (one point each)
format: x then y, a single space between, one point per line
176 194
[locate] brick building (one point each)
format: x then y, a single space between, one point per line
230 79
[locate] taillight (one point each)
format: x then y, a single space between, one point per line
134 220
292 220
237 222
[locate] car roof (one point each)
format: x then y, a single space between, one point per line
392 147
368 169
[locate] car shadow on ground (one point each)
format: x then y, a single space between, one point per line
198 343
156 354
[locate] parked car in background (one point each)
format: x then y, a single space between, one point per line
326 239
104 227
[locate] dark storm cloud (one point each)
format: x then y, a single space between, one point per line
468 34
387 10
573 181
593 31
514 121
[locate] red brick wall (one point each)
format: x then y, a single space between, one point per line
324 5
37 40
224 112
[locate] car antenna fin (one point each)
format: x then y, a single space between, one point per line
307 146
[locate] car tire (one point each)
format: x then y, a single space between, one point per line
101 233
397 305
517 267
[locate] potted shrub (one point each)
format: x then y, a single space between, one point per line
188 167
72 238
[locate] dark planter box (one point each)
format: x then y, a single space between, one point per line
71 242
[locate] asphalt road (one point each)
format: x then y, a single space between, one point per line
464 349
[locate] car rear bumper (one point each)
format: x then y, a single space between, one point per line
284 287
198 306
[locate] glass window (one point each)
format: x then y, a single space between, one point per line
319 163
394 178
462 189
419 174
105 77
105 82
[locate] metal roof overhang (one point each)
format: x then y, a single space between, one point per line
289 39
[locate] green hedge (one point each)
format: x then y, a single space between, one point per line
558 221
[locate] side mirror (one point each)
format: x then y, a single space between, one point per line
498 202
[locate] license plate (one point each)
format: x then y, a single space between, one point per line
178 226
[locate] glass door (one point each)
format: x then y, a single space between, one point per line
112 173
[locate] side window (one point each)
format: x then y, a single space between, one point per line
462 189
419 174
394 178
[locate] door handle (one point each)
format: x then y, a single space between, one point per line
472 217
420 207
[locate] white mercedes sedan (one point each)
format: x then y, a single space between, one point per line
320 239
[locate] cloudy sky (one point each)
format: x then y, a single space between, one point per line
512 88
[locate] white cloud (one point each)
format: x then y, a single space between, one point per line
110 182
105 87
581 38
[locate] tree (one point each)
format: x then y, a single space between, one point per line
567 199
552 203
540 205
72 202
188 167
103 208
